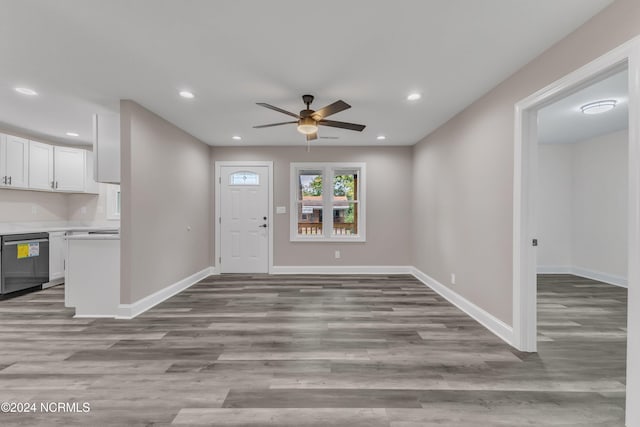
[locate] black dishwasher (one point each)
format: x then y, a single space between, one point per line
24 262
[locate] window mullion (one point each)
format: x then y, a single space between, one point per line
328 201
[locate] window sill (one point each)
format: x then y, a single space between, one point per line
322 239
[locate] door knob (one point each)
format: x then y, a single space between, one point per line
263 226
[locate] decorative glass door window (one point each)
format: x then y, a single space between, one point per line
327 202
244 178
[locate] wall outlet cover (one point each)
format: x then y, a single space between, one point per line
281 209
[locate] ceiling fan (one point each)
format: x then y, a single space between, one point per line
308 120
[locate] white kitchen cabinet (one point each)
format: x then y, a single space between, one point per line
40 166
69 169
106 148
14 162
57 255
90 184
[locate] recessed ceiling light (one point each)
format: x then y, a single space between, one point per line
26 91
414 96
599 107
72 134
187 94
381 137
236 137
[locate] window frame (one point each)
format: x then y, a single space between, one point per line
328 170
113 213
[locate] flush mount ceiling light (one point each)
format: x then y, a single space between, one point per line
381 137
26 91
236 137
187 94
599 107
72 134
414 96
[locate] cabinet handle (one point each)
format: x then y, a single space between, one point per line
9 180
52 186
56 184
4 179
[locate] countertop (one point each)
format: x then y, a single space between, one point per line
94 237
9 229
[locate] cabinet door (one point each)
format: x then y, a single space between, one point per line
69 169
15 154
40 166
57 255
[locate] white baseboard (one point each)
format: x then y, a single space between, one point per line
341 269
611 279
129 311
553 269
492 323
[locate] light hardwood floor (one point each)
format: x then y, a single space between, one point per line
317 351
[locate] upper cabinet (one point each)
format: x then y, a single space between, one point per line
41 166
68 165
35 165
14 162
106 148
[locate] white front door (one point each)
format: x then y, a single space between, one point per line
244 219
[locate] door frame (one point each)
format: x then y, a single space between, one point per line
216 220
524 220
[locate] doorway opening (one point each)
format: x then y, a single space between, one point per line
526 170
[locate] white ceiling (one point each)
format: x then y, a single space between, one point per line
563 122
83 56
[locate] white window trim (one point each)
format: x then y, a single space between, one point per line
327 169
112 202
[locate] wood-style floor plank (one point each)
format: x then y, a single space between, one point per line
243 350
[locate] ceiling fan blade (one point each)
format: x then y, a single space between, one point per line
274 124
342 125
271 107
312 136
330 109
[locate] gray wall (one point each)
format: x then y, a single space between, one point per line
166 188
463 220
388 201
582 205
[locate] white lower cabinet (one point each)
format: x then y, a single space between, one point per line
57 255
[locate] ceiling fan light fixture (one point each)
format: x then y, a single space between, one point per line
307 126
599 107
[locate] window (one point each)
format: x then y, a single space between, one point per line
113 201
244 178
327 202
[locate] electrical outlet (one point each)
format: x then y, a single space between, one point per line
337 254
453 278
